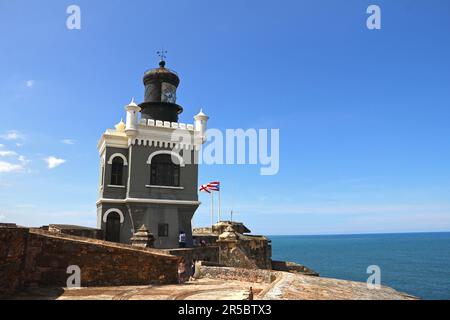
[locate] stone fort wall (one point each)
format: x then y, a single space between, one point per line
37 258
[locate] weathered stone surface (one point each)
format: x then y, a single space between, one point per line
290 286
292 267
244 251
226 283
73 230
12 247
222 226
239 274
202 289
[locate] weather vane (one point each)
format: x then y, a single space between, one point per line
162 54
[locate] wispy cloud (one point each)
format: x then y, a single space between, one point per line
68 141
12 135
7 153
17 165
29 83
23 160
7 167
53 162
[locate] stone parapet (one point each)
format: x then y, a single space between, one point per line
240 274
38 258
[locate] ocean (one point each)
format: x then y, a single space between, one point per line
414 263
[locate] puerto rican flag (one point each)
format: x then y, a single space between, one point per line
214 186
204 188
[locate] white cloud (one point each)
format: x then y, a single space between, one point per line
68 141
53 162
7 153
12 135
2 217
17 165
7 167
29 83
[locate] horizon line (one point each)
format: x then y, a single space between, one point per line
354 234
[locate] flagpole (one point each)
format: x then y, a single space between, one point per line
220 191
212 209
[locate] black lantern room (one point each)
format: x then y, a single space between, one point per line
161 94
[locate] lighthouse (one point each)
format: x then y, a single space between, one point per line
144 176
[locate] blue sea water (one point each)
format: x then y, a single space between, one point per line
415 263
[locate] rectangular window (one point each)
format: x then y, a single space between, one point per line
163 230
165 174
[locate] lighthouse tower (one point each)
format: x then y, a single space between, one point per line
147 174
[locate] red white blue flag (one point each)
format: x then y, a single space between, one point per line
204 188
214 186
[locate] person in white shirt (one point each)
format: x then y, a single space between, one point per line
182 239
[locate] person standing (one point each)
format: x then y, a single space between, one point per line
250 294
182 239
192 276
181 272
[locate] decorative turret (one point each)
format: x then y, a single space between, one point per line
201 121
161 93
132 118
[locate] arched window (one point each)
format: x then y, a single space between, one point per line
163 172
117 171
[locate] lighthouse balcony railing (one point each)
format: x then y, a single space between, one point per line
166 124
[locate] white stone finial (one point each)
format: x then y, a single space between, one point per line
201 114
132 103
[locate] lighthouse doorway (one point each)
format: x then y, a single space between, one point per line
113 227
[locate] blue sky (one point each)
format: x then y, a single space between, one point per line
363 115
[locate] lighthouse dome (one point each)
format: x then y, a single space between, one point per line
161 74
